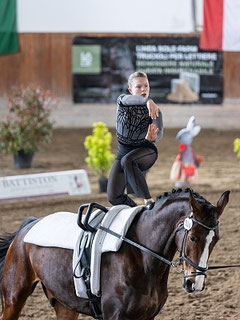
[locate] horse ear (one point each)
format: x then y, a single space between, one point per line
222 202
195 205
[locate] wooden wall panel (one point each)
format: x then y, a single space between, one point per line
46 60
231 72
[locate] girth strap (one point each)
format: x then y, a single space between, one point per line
94 301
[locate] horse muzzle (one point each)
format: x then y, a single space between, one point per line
188 285
194 282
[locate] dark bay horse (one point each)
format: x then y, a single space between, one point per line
133 282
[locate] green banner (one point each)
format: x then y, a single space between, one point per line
8 27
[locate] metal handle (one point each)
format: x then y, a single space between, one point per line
80 213
92 205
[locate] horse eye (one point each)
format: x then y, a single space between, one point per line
193 239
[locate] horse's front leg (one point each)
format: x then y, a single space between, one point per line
115 311
115 315
120 300
127 293
63 313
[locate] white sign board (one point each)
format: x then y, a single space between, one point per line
76 16
71 182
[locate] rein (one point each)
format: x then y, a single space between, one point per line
139 246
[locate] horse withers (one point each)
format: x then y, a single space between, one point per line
133 280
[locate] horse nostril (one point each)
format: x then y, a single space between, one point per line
189 286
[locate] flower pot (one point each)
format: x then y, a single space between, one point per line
102 182
23 160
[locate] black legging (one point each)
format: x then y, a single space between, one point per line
129 171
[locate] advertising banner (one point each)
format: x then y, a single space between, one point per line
178 70
60 183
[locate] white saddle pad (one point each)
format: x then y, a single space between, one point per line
60 229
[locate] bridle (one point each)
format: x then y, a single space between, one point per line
187 225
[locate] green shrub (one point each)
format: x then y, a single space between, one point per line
27 125
99 158
236 149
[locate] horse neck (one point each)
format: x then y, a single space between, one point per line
156 229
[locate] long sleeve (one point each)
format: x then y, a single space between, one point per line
159 124
127 100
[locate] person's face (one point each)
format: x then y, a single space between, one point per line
140 87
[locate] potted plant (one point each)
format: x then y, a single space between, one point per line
99 158
27 125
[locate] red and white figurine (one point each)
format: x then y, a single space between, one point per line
184 168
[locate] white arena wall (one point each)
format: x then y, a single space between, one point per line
160 16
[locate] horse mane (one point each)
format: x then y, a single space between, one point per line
179 194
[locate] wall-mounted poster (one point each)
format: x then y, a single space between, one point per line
178 71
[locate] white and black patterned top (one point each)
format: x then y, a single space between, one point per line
133 120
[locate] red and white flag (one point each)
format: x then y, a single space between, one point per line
221 25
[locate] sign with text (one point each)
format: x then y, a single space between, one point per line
71 182
178 71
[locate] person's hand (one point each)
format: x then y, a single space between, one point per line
153 109
152 132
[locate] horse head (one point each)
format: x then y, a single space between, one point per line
197 236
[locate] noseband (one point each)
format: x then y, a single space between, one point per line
187 225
